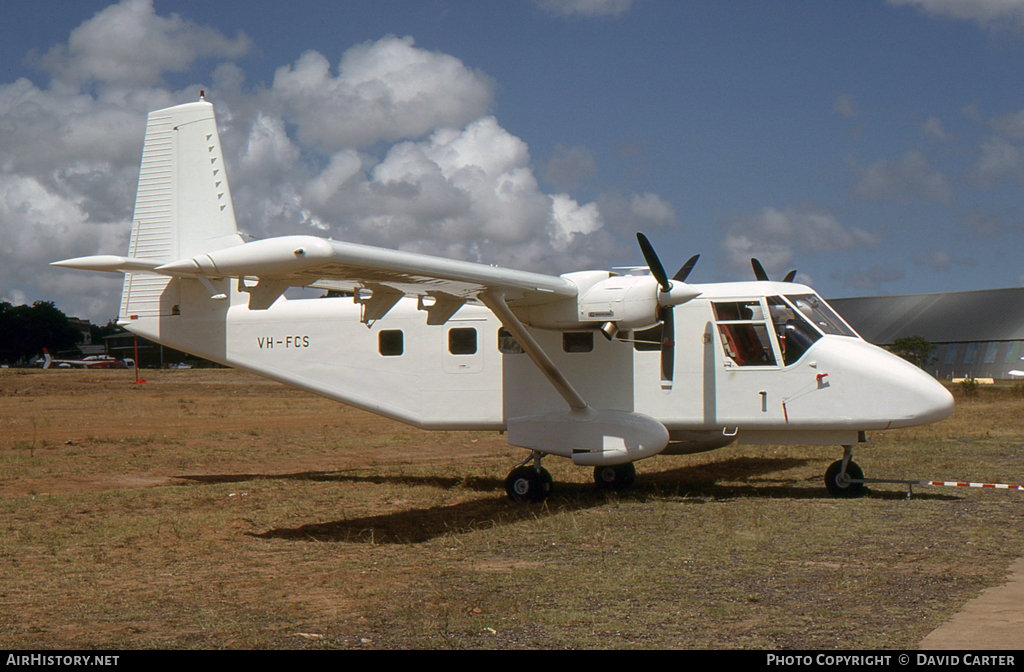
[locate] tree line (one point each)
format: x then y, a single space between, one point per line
26 330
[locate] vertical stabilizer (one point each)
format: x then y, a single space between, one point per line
183 204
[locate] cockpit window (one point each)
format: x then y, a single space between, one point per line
795 334
820 315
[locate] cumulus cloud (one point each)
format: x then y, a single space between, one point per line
1010 125
395 146
389 90
587 8
932 127
130 44
775 237
999 159
904 179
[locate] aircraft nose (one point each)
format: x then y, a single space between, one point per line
919 399
885 391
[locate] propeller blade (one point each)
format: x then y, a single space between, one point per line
653 263
758 270
790 276
684 271
668 346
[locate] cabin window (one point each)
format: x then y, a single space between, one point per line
462 341
578 341
507 343
390 342
744 334
795 334
821 315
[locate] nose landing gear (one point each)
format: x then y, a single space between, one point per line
845 478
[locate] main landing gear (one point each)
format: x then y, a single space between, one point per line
615 477
530 482
845 478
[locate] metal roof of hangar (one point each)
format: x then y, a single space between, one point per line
954 317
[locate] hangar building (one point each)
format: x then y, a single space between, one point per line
977 334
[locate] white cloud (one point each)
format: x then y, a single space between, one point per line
1010 125
588 8
907 178
775 236
932 127
389 90
128 43
999 160
985 12
396 148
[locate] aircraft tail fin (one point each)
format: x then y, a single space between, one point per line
183 205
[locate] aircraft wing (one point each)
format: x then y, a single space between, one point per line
304 261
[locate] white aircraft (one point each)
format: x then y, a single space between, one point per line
90 362
599 367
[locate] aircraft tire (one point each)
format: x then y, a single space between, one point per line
837 489
615 477
527 484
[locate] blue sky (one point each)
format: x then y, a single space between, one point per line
877 146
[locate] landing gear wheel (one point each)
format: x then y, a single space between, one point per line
528 484
839 485
615 477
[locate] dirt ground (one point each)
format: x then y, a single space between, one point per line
214 509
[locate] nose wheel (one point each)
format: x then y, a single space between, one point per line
845 478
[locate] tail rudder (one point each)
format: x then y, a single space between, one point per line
183 204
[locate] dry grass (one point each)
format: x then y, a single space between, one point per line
212 509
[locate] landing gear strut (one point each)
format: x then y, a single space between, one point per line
844 478
615 477
529 482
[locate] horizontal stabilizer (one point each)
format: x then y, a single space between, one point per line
108 262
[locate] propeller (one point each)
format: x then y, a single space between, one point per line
761 275
669 296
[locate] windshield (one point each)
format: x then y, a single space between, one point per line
792 329
820 315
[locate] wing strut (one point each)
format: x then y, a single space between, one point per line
495 301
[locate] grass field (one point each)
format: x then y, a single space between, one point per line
212 509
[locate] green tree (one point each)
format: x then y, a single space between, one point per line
26 330
914 349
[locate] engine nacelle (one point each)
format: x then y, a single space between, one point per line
628 301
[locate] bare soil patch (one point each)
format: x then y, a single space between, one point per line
213 509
